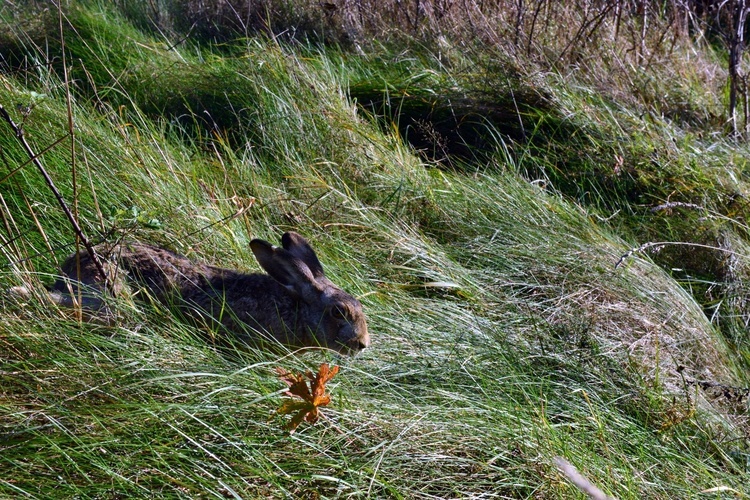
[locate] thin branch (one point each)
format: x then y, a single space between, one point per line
41 153
659 244
580 481
50 183
71 134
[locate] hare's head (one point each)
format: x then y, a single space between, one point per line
334 317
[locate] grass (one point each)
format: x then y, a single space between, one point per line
503 334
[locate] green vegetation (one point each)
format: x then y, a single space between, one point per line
475 191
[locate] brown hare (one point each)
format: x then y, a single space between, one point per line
294 304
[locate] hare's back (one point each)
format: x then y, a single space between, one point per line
162 269
156 267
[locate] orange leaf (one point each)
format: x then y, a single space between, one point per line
312 396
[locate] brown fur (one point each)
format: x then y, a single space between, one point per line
294 304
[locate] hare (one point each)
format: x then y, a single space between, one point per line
294 304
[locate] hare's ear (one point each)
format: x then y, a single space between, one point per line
282 265
298 246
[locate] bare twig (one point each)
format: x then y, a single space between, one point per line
659 244
729 392
50 183
676 204
41 153
581 482
71 134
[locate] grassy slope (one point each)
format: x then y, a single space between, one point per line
503 334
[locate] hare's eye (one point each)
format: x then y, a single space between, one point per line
337 313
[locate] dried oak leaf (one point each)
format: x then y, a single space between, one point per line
310 398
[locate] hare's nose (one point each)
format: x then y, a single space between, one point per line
356 345
361 342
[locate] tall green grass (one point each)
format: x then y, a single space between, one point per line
503 334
